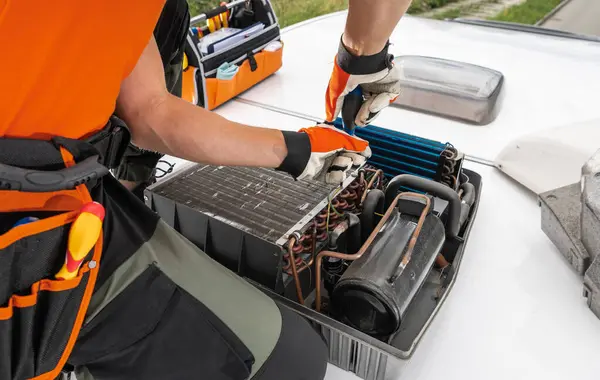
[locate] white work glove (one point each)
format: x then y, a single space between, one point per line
377 77
323 153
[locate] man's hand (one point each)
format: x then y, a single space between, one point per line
363 59
376 75
165 123
323 153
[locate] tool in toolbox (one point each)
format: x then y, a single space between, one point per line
216 12
220 32
200 32
214 24
83 235
224 15
352 103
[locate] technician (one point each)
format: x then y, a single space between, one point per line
145 303
137 169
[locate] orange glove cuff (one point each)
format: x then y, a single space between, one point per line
313 152
329 139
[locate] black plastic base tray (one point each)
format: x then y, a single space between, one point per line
259 261
420 314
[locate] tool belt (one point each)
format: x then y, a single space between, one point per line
47 182
111 142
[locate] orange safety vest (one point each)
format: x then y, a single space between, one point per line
62 62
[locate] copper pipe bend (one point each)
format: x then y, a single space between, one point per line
369 241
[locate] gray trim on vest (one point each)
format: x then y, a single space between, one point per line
229 297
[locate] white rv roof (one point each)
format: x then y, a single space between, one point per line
550 83
516 310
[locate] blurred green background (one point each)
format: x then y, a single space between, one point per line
292 11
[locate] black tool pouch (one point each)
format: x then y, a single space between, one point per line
40 316
111 142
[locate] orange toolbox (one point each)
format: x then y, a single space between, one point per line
229 49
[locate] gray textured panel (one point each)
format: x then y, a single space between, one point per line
590 217
590 229
370 364
591 283
561 222
340 352
571 219
590 226
351 355
263 202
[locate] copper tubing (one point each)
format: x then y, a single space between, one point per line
306 265
349 195
349 198
342 205
448 178
291 243
360 188
415 235
361 179
307 243
322 236
333 218
312 253
365 245
441 261
321 222
287 267
298 248
370 184
450 153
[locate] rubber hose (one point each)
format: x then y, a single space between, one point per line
468 199
354 234
335 235
374 203
434 188
463 178
468 193
464 212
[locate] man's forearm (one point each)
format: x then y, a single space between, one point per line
167 124
370 24
180 129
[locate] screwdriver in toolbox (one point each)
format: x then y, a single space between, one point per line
225 15
84 234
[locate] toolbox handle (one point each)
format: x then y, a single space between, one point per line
434 188
39 181
215 12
